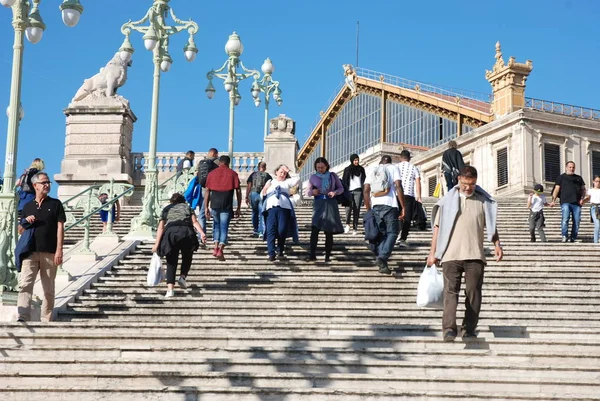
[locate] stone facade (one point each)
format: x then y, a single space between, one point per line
97 144
523 134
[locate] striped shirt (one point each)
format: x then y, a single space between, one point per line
408 174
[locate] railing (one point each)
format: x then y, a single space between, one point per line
91 205
564 109
166 162
424 87
175 183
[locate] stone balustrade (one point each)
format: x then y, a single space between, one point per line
166 163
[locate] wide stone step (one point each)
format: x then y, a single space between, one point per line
361 381
177 393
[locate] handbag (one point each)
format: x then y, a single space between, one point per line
430 292
155 272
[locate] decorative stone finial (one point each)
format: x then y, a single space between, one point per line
508 83
350 75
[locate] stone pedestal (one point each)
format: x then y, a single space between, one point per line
281 145
97 144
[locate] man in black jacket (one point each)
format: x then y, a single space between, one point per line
353 180
452 163
47 216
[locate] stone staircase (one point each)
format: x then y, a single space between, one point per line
121 228
248 329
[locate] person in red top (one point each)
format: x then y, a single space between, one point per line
220 185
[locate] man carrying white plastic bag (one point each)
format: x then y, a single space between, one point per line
430 292
155 271
458 220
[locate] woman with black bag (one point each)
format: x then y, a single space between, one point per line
176 235
353 179
324 186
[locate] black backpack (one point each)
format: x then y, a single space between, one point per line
259 179
25 181
205 166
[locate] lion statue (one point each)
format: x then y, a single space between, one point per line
106 81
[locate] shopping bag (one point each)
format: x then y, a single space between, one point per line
437 193
155 272
430 292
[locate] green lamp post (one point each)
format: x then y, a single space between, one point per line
156 39
27 22
267 86
231 76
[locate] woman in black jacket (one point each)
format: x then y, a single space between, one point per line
353 180
176 235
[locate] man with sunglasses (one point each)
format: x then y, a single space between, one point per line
46 216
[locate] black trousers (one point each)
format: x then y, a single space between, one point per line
354 209
184 247
314 238
409 204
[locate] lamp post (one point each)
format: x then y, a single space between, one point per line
267 86
156 39
27 22
231 77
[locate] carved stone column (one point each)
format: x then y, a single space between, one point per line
281 145
97 143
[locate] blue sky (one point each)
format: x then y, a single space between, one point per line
438 42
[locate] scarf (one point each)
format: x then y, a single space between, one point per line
355 170
325 181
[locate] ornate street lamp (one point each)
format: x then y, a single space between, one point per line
267 86
27 22
156 39
231 78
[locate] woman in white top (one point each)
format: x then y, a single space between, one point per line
279 208
593 196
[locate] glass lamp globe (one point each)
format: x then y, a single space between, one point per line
165 65
190 55
7 3
34 34
70 17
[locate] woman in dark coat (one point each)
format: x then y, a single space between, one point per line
176 235
324 186
353 179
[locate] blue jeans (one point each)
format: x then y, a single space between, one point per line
389 216
256 203
596 223
220 225
277 221
567 209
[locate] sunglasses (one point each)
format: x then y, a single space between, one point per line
44 182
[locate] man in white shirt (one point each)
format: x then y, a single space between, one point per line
386 211
411 186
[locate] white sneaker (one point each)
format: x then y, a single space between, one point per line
182 282
170 293
354 232
347 229
402 243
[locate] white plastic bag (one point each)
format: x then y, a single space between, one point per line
155 272
430 293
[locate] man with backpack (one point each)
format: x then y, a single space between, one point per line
256 183
205 166
411 186
186 163
452 163
383 190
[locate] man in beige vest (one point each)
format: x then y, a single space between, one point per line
458 236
